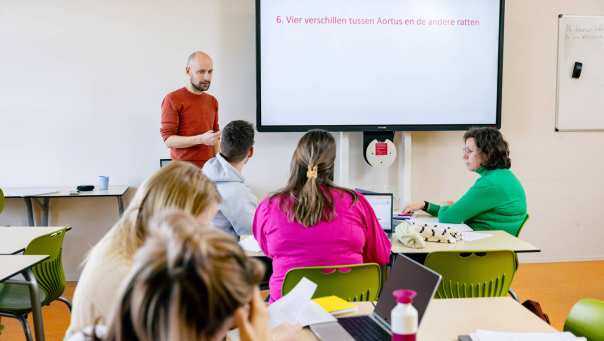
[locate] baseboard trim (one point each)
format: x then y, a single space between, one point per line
562 259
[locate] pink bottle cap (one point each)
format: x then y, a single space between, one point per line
404 296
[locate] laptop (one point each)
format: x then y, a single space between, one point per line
382 206
405 274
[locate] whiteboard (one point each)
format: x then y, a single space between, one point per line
580 101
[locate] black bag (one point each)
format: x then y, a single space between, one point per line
535 307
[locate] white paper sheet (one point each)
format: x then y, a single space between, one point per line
296 307
470 236
29 192
434 221
486 335
250 244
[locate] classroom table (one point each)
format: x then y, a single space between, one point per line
11 265
14 239
42 196
498 240
446 319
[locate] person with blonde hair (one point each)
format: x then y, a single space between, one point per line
313 222
188 283
179 185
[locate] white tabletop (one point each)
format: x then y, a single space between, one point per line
15 239
465 315
497 240
446 319
11 265
54 192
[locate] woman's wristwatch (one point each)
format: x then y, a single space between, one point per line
425 208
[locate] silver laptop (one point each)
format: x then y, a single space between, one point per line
405 274
382 206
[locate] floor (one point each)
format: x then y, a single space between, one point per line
557 286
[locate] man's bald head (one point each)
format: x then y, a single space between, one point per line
200 68
197 57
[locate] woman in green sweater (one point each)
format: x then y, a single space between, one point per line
497 200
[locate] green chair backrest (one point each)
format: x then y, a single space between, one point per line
49 273
586 318
1 200
473 274
522 225
354 283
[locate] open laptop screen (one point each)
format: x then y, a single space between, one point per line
407 274
382 206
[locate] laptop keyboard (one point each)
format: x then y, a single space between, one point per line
364 328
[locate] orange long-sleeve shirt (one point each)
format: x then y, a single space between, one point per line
184 113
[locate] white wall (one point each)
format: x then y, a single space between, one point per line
81 87
82 82
561 172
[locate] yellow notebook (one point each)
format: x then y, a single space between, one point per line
335 305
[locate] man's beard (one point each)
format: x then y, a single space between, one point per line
200 86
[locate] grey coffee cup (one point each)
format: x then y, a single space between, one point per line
103 183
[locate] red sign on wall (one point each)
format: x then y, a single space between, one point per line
381 148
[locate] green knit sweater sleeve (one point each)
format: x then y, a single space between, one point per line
481 197
433 209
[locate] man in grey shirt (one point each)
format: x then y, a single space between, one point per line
239 203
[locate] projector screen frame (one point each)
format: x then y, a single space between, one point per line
377 127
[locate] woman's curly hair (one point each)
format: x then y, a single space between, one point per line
493 147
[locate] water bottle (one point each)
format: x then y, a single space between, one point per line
403 322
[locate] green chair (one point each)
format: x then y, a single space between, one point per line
473 274
522 225
354 283
14 296
586 318
511 291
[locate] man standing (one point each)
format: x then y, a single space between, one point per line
189 116
238 201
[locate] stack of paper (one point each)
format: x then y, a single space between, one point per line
486 335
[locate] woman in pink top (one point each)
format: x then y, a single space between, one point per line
312 221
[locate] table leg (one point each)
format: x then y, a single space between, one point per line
34 293
120 205
30 211
45 204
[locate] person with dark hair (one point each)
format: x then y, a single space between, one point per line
239 203
188 282
497 200
313 222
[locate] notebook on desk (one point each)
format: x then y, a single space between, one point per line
405 274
